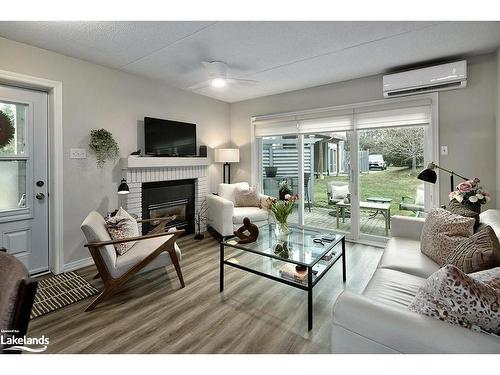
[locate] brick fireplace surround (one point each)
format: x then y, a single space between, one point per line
138 170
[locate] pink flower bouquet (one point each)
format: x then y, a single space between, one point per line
470 192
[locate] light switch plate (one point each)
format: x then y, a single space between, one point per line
78 153
444 150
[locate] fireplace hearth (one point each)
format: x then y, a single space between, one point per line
171 199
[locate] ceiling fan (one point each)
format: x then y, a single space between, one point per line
217 76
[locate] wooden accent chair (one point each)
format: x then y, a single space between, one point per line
149 252
17 293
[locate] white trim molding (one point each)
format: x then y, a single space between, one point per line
55 122
77 264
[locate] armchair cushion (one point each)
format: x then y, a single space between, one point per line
138 252
255 214
94 229
120 226
226 191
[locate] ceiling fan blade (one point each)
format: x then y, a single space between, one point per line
242 81
199 86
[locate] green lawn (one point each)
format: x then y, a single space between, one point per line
392 183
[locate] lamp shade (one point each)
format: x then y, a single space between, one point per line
123 188
428 175
227 155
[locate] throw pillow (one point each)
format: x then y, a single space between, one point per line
122 225
443 232
458 208
479 252
453 296
340 192
489 277
246 197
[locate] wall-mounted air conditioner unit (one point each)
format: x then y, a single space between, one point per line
418 81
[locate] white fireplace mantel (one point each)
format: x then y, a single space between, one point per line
162 162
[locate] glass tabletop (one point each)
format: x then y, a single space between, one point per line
300 245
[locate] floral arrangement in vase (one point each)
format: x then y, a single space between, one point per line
281 209
470 193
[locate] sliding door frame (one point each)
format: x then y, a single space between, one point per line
432 196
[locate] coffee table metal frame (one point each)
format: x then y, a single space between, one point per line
340 238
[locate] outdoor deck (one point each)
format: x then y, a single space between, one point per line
320 218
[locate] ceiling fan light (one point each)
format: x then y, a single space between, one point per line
218 82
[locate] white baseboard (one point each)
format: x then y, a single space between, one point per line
77 264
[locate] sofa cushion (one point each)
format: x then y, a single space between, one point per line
453 296
226 191
403 254
479 252
393 287
443 232
253 213
138 252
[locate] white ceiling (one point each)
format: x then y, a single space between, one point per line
281 56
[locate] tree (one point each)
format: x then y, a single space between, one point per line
399 146
405 144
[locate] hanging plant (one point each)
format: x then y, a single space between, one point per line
103 146
7 129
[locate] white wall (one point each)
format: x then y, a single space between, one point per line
498 130
466 119
97 97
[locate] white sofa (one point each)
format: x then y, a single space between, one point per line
378 321
224 217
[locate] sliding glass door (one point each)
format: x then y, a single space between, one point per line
354 168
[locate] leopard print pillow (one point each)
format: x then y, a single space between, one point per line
455 297
489 277
443 232
479 252
122 225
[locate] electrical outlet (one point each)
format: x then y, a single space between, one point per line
78 153
444 150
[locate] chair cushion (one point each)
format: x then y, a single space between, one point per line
94 229
340 192
226 191
492 218
12 271
443 232
246 197
479 252
120 226
253 213
138 252
393 287
453 296
403 254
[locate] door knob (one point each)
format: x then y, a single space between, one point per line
40 196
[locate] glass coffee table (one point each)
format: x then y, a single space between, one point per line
309 257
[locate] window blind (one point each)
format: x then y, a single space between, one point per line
415 112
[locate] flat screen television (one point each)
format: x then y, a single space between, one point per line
169 138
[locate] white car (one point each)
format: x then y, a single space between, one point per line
376 161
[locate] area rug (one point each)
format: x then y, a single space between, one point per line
59 291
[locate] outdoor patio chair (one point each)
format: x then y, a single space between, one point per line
418 203
337 191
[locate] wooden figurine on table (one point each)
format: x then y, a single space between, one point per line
247 227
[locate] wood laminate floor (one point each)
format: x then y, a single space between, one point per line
151 314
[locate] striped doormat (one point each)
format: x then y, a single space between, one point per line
59 291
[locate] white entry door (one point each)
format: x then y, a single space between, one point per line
24 228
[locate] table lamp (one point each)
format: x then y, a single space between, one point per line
429 175
226 156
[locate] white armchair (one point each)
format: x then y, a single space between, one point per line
224 217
